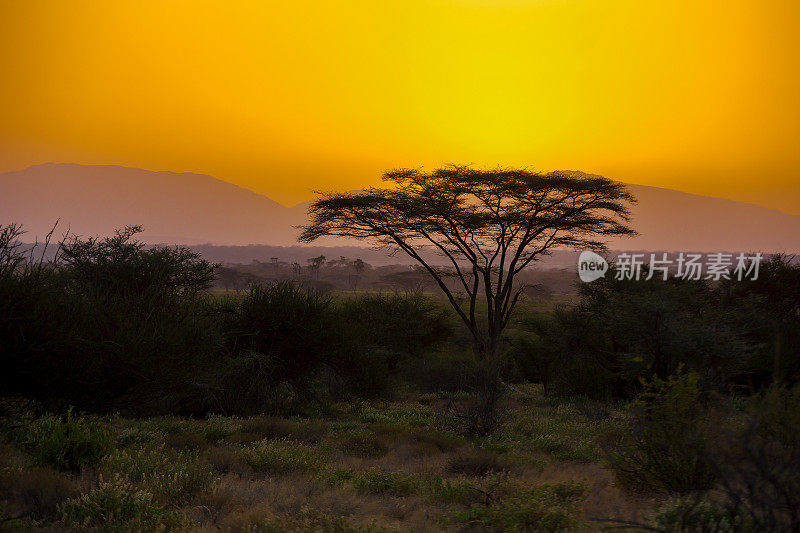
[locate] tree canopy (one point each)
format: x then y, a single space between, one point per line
487 224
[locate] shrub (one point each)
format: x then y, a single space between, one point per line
665 450
128 436
172 477
757 461
547 508
113 325
288 325
407 325
108 324
381 482
217 428
35 490
67 443
386 332
405 416
444 490
476 463
34 318
282 456
260 428
439 371
118 506
624 330
692 515
363 443
288 343
766 310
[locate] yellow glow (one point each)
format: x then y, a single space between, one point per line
288 97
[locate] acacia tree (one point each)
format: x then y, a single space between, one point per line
487 224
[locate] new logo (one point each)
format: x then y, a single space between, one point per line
591 266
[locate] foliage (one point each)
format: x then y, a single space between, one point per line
110 324
406 324
106 324
477 463
296 338
172 477
33 490
67 443
382 482
279 456
758 461
546 508
767 309
286 323
665 450
121 267
624 330
117 506
736 334
693 515
489 225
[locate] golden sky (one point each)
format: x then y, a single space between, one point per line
292 96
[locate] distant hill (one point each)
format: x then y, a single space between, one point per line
677 221
196 209
173 207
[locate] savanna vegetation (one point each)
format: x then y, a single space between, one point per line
136 398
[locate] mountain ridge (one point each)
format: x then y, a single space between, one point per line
192 208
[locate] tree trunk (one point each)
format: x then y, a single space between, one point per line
484 415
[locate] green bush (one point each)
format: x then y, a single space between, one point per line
623 330
118 506
67 443
282 456
287 343
381 482
444 490
477 463
439 371
31 491
217 428
757 461
546 508
172 477
107 324
363 443
284 323
664 450
34 319
692 515
766 310
113 325
407 325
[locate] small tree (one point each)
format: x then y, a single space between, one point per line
358 267
315 264
488 225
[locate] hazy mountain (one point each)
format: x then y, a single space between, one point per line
673 220
173 207
195 208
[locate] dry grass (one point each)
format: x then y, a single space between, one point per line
373 467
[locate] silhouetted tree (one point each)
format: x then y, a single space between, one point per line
315 264
358 266
771 308
488 224
412 281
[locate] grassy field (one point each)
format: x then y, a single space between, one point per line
358 467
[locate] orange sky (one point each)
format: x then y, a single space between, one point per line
287 97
